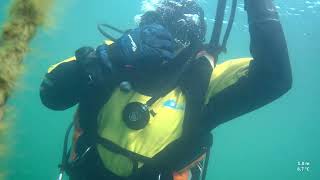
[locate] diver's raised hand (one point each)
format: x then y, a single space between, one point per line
261 11
148 46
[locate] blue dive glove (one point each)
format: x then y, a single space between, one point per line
95 67
149 46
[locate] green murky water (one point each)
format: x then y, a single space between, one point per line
267 144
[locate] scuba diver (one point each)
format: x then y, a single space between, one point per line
147 102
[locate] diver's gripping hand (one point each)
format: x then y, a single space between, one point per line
96 70
261 11
148 46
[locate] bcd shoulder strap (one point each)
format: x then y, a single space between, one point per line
194 84
194 142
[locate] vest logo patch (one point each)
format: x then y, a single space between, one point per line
172 104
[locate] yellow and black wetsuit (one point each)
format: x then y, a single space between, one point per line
236 87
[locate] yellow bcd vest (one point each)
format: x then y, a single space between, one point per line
162 129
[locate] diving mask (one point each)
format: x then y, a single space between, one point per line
183 18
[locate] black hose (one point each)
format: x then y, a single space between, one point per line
216 33
107 35
214 47
206 164
64 160
230 23
112 27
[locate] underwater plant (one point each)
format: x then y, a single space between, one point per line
25 16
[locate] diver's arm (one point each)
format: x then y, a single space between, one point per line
268 45
269 74
61 87
147 46
70 82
